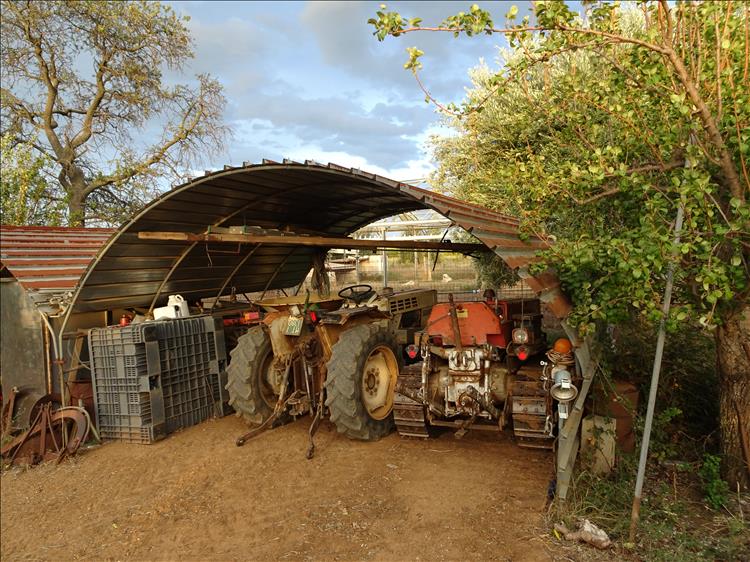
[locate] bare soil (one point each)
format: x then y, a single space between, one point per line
196 496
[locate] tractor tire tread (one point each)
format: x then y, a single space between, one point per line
346 409
247 356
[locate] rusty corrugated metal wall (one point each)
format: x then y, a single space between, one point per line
49 259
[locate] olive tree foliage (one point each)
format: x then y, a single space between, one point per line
595 129
83 85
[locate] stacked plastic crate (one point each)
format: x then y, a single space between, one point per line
154 378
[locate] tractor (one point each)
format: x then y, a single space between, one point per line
327 356
486 365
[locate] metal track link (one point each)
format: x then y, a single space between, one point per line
530 410
409 415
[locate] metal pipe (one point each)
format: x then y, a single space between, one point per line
454 324
385 264
276 272
232 274
395 225
47 359
635 513
55 347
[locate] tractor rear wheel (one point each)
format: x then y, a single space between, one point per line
361 382
250 375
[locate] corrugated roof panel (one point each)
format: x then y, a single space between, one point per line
49 259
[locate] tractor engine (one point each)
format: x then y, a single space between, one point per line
482 367
469 382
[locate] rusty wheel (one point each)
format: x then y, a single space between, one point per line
379 382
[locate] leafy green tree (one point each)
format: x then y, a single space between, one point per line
595 130
25 196
82 81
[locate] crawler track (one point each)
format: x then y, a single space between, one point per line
409 415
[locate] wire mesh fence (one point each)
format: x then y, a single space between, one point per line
448 273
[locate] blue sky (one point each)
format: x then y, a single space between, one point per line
308 80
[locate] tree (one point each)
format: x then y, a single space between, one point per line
25 195
595 130
81 83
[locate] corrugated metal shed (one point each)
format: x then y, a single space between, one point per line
307 198
49 260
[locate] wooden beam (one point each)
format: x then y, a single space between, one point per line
568 439
320 241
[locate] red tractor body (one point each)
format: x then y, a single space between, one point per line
482 366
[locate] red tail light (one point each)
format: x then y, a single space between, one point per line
522 352
314 318
412 351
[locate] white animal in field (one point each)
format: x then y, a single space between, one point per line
408 284
447 278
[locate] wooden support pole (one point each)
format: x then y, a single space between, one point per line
318 241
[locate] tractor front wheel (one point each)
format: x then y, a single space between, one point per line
361 382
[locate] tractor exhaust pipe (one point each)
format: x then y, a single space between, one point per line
454 324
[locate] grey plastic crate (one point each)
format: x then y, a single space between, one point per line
134 417
192 401
168 373
134 434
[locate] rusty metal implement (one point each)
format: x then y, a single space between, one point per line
278 409
44 440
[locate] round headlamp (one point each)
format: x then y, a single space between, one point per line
520 335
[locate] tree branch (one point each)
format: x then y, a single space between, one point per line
48 76
728 168
184 131
85 133
517 30
678 163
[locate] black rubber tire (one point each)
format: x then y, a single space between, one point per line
244 373
343 381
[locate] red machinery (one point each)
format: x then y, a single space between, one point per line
482 366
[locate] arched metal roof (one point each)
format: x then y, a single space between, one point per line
307 198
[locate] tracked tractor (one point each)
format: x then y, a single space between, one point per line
486 365
337 357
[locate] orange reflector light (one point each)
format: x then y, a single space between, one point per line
563 345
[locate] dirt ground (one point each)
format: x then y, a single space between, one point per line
196 496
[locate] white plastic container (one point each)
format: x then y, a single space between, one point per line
176 308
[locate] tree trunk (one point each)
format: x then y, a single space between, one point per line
733 351
76 201
76 196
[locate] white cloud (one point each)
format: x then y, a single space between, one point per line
309 81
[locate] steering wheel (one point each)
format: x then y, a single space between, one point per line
357 293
